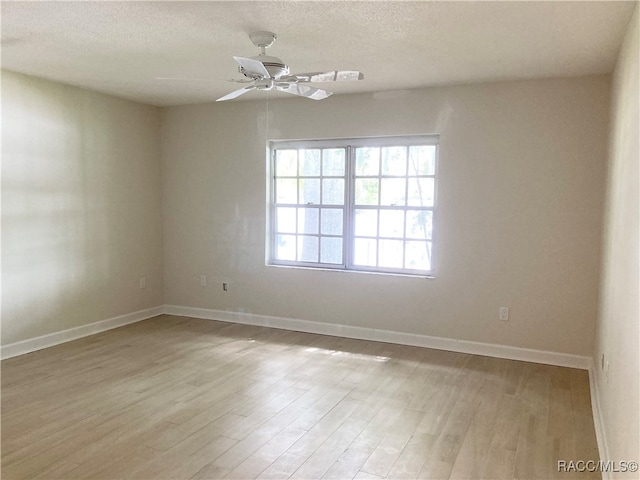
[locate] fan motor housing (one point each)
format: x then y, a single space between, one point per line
274 66
264 84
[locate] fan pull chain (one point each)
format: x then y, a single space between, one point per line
266 131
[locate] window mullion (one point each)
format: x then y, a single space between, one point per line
273 233
378 207
406 205
348 209
297 204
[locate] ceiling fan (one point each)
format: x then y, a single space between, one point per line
265 73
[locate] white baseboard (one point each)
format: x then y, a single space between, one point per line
51 339
360 333
598 421
388 336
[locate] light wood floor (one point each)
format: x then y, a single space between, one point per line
174 397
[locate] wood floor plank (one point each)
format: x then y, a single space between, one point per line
178 398
61 469
258 437
324 428
412 458
319 462
283 467
262 458
350 462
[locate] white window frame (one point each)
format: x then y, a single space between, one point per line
348 233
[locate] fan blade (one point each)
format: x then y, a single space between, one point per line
252 67
331 76
304 91
235 94
235 80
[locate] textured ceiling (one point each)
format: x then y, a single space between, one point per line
122 47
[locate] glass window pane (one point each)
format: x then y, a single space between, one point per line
419 224
392 191
365 252
287 190
367 191
286 163
392 223
421 192
394 161
307 248
418 256
422 160
310 163
308 220
390 254
309 191
366 223
333 191
367 161
331 250
286 220
332 222
333 162
285 247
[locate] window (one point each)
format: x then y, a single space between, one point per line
358 204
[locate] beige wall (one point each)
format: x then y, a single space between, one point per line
618 332
81 207
521 188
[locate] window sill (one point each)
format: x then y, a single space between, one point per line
362 272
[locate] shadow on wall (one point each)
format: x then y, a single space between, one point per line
67 216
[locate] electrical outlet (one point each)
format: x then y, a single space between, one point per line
203 280
143 282
503 314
